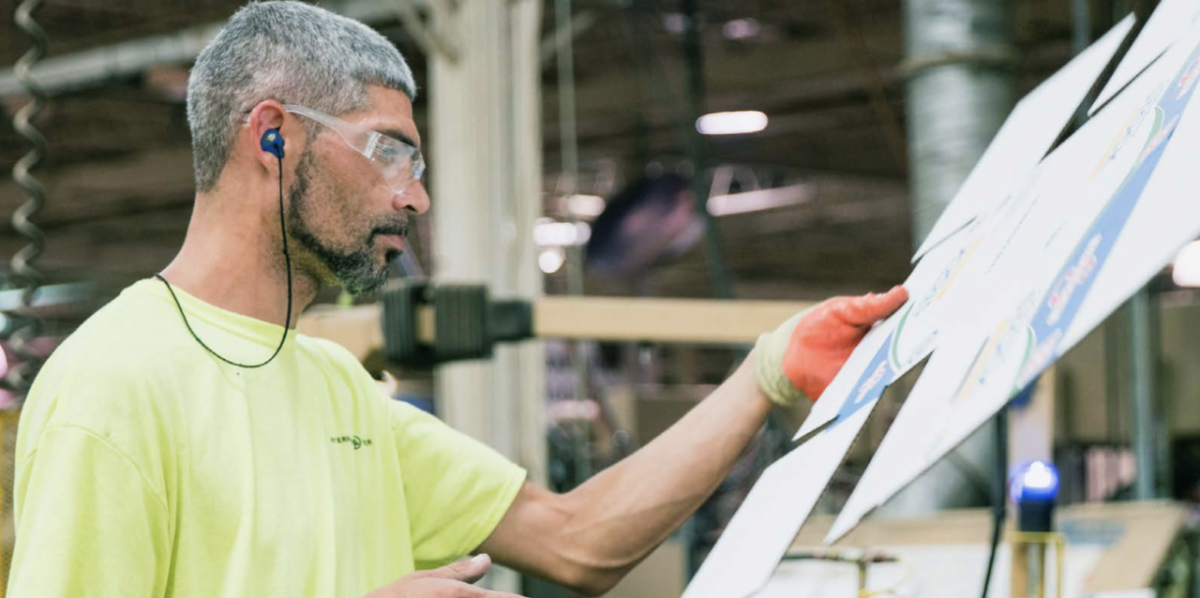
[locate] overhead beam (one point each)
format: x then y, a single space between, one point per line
90 190
757 71
128 249
90 68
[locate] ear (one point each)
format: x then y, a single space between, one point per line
265 119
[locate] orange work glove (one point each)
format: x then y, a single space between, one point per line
801 357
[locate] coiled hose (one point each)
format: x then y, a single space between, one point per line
26 326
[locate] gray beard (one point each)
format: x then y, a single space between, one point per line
355 270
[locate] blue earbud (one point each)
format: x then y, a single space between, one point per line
272 143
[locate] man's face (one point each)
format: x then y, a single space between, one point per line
349 223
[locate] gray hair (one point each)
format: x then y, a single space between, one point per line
287 51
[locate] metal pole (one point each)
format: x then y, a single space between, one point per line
1081 25
1114 389
477 190
1164 472
959 90
568 141
485 134
999 496
693 51
569 153
1142 393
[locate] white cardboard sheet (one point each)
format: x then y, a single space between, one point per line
1026 136
906 338
1013 155
763 528
1170 20
1033 254
1101 216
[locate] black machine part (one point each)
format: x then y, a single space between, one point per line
467 323
1036 515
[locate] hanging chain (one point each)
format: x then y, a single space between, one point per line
26 326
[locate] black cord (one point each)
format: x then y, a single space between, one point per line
287 318
999 496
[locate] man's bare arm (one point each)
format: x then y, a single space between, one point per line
590 537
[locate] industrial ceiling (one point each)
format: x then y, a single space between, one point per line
119 167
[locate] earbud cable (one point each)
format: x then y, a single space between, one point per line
287 318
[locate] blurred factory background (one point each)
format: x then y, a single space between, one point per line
572 148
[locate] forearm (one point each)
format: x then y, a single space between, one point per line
620 515
591 536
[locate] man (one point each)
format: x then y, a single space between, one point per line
182 444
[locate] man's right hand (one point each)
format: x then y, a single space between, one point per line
801 357
452 581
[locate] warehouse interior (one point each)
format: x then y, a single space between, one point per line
577 167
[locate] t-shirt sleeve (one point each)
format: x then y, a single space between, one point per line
87 522
457 489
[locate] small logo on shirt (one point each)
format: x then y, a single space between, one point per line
354 441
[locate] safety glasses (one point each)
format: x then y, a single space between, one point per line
398 162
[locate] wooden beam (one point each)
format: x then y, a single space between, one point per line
693 321
697 321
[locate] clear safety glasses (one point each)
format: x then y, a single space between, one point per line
398 162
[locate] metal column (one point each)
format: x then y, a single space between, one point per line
485 167
960 90
1145 425
960 60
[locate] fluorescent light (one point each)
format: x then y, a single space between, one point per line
588 206
572 409
1186 272
741 29
763 199
732 123
675 22
549 233
551 259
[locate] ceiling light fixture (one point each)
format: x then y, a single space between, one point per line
739 29
1186 271
550 260
675 22
550 233
586 206
758 200
732 123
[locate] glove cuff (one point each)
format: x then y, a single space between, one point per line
768 370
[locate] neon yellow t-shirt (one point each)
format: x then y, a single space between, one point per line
148 468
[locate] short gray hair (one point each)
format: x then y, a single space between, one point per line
287 51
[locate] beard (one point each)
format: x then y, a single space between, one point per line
354 267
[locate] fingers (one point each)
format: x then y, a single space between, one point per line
870 308
466 571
